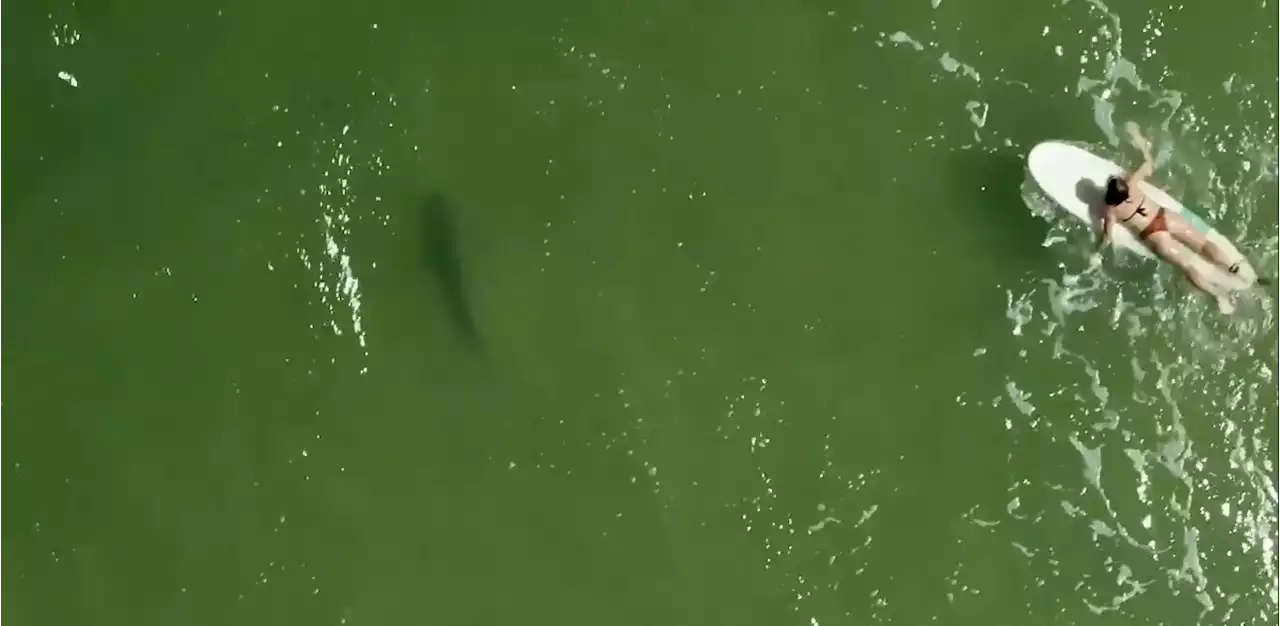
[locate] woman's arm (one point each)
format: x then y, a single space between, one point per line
1148 163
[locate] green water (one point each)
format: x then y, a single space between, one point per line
652 313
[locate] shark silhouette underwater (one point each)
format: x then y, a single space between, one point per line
443 260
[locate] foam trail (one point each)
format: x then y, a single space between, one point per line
1218 490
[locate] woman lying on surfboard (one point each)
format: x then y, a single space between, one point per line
1159 229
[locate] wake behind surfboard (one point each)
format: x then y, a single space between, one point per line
1074 178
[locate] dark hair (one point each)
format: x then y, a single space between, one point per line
1117 191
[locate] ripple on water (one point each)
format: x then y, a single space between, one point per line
1175 482
335 161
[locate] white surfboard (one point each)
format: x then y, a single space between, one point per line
1074 178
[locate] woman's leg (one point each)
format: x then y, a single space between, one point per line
1162 243
1184 232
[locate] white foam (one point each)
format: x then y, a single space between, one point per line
1221 163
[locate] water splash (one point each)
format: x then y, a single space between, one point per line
1185 408
337 161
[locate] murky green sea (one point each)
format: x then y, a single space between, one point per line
655 313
